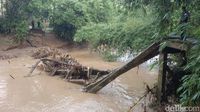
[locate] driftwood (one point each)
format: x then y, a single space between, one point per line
12 77
33 68
45 52
56 62
149 53
68 70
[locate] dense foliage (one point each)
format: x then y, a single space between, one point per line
121 24
68 16
14 19
190 89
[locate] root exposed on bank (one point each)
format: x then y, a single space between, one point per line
55 62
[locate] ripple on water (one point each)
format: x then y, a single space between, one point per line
117 92
3 91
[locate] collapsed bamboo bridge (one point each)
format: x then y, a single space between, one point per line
162 48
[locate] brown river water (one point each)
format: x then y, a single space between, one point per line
43 93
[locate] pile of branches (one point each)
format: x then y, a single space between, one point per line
55 62
45 52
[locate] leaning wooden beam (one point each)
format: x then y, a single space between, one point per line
149 53
33 68
53 72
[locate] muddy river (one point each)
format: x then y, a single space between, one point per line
43 93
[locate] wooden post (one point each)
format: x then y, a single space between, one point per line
162 77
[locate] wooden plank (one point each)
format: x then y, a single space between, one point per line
178 44
149 53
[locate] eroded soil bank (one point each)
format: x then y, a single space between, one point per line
43 93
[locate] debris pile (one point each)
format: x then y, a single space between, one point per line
45 52
57 63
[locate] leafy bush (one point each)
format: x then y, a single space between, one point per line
14 19
68 16
132 33
21 31
190 89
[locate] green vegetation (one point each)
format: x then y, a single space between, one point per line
14 19
120 24
21 31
